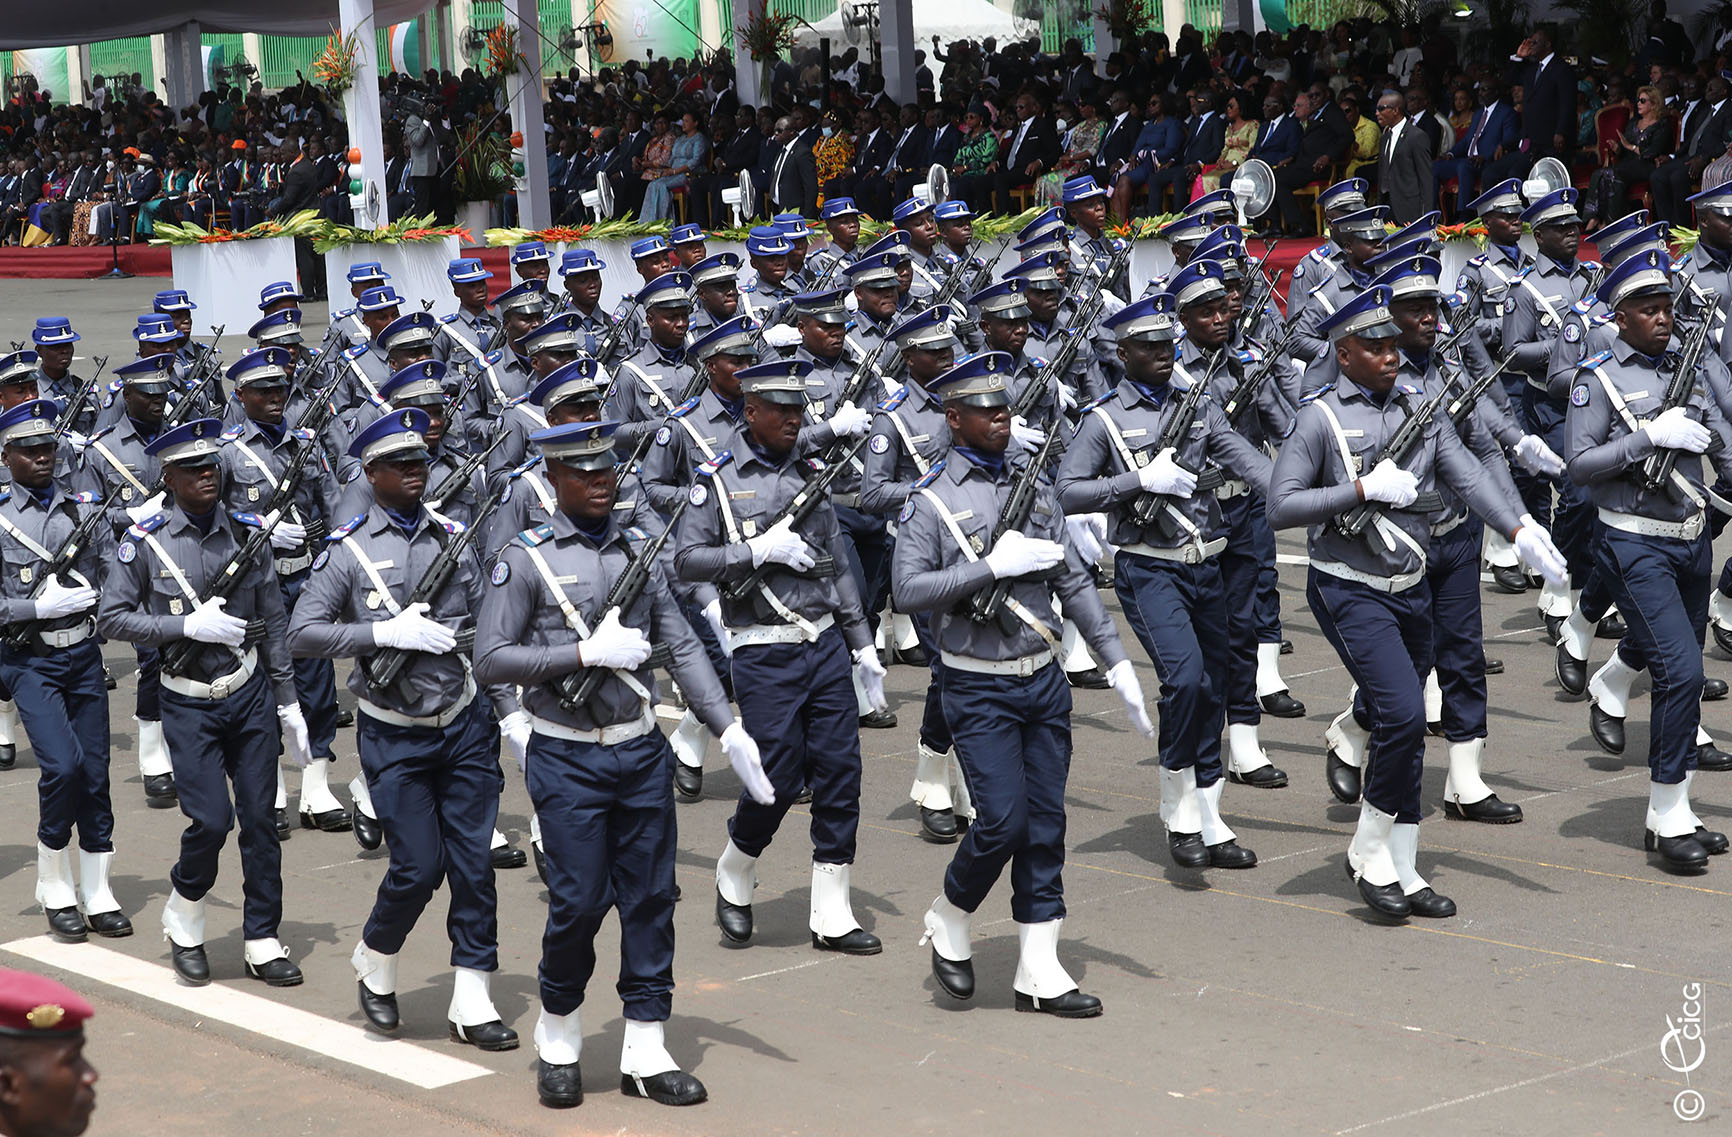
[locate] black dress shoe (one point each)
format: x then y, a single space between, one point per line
368 835
508 857
190 964
1073 1004
541 863
284 832
1553 624
279 972
330 821
1684 852
1387 900
1712 843
1610 628
857 942
159 791
1434 727
804 797
1508 578
1491 811
1282 705
381 1010
1607 731
955 977
1344 780
1713 759
345 718
8 757
938 826
1286 647
1431 905
1494 667
110 925
1722 636
675 1087
1188 850
1572 672
1713 690
913 656
688 781
558 1087
1093 679
1229 855
67 925
493 1035
878 720
109 682
735 920
1263 778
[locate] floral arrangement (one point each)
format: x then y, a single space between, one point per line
335 65
405 230
483 164
625 228
1127 19
503 58
769 35
306 223
1465 231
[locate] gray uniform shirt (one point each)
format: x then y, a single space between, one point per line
115 467
1534 314
908 436
21 567
646 389
694 433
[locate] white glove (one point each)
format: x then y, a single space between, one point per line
1390 484
1536 457
411 630
713 613
1087 531
779 543
1676 430
286 535
150 507
612 644
515 729
1026 435
295 743
208 623
781 335
1016 555
1122 678
79 441
849 421
871 674
743 756
58 600
1535 547
1165 476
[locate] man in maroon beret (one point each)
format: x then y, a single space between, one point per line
47 1088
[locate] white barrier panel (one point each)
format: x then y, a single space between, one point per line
224 278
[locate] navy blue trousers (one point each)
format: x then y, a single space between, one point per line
1014 746
436 791
1661 586
934 727
213 742
1179 615
63 705
149 706
608 833
866 543
1384 640
315 683
797 701
1457 629
1241 573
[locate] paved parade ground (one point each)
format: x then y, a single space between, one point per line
1258 1002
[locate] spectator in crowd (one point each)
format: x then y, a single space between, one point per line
1235 146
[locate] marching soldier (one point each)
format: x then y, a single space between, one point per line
909 297
55 545
549 347
530 260
597 770
652 258
278 295
346 329
915 218
365 366
1007 702
1318 265
53 338
424 736
467 335
216 703
581 271
841 218
716 292
155 336
1360 236
1167 568
686 242
1092 247
793 228
1369 590
797 640
1639 456
766 293
1051 317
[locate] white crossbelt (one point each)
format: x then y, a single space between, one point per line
575 621
1016 607
606 736
1393 535
1633 424
1194 545
383 591
1024 666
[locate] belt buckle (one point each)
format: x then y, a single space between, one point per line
1192 555
221 688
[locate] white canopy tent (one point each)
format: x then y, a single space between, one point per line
949 20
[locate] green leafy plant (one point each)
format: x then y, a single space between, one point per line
483 165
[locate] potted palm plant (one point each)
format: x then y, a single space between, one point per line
482 175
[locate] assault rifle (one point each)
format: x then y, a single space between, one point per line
1656 475
21 634
76 404
988 605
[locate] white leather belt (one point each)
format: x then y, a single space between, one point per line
1445 527
606 736
1027 665
777 633
443 719
1389 584
289 566
1190 553
219 688
66 637
1687 530
1230 489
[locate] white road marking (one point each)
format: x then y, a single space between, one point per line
404 1061
785 970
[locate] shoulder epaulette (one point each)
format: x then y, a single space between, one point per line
114 386
1583 306
451 319
1410 389
517 400
1479 261
1595 360
709 468
1100 402
303 434
749 286
633 533
1588 264
930 476
344 314
1037 361
1601 319
84 497
895 400
1317 394
493 356
347 527
525 468
234 432
685 408
356 351
535 536
148 526
246 518
816 465
109 429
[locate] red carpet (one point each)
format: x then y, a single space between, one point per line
68 263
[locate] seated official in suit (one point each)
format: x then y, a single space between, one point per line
1489 135
1157 148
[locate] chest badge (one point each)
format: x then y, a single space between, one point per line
26 574
252 493
126 493
374 600
749 527
979 544
818 408
1144 458
176 607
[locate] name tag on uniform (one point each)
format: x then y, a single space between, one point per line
1628 395
1352 433
919 437
1137 433
625 505
565 580
736 495
964 515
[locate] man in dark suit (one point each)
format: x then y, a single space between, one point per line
1205 134
1120 141
1031 151
794 178
906 163
1548 120
1324 143
872 148
632 143
741 153
1077 72
946 139
1404 177
609 158
86 180
1491 134
399 194
1279 134
1703 139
